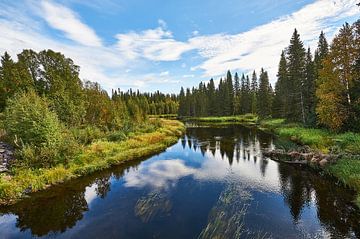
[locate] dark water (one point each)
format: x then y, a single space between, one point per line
214 183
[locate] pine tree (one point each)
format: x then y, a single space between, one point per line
242 95
182 103
281 99
320 53
309 90
237 94
211 94
247 96
296 76
229 94
254 91
264 94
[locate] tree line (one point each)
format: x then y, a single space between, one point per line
319 90
232 96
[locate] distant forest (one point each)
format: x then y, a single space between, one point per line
319 90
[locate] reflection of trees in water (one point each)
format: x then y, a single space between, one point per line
226 219
51 214
334 207
154 204
102 186
234 143
299 186
60 207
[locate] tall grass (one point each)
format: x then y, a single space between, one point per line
97 156
347 169
247 118
348 172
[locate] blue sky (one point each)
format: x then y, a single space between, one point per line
151 45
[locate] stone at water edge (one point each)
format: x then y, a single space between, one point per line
323 162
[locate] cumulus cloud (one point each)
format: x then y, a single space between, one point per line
65 20
153 44
261 46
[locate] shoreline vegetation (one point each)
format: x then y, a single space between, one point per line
344 146
99 155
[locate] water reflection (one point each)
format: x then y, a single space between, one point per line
215 183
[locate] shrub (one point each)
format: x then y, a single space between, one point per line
41 139
116 136
87 135
28 120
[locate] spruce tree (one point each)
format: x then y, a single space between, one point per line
237 94
264 95
254 90
229 94
309 90
281 99
296 76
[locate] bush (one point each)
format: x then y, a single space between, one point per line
28 120
88 134
41 139
116 136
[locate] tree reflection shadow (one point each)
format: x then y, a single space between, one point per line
59 208
334 208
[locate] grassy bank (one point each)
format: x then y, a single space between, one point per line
96 156
244 119
346 169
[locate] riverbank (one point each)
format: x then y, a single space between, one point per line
19 182
345 146
248 119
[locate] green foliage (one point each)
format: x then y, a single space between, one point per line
29 121
87 135
116 136
348 142
347 171
96 156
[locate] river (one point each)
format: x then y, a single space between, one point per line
214 183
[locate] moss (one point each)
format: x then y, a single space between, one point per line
94 157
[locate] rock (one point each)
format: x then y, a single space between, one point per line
314 160
323 162
3 169
307 156
2 150
295 155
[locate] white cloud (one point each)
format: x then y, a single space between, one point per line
164 73
65 20
153 44
189 76
261 46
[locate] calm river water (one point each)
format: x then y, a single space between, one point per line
214 183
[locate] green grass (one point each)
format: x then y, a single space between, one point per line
319 139
94 157
347 169
247 118
348 172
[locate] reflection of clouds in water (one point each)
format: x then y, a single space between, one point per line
158 174
90 193
166 173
